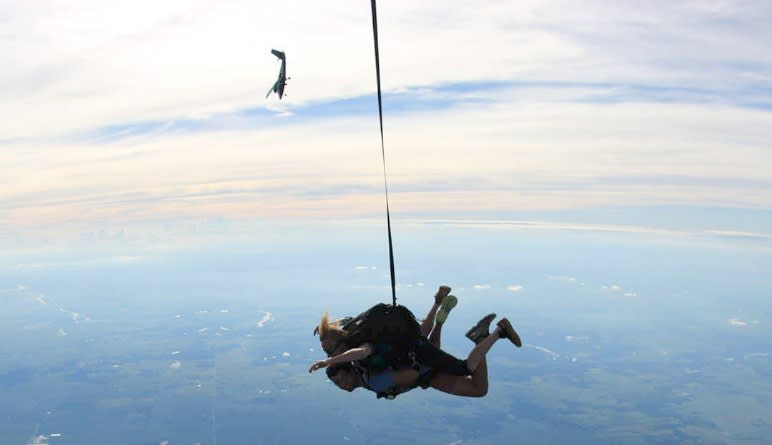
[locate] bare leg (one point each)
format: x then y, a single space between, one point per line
477 356
428 323
436 334
480 377
475 385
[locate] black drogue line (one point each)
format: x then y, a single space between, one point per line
383 153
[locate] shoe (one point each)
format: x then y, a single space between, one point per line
507 331
441 294
481 330
448 303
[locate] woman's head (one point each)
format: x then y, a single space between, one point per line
330 335
344 377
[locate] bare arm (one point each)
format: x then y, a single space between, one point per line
351 355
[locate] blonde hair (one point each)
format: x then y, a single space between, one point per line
326 328
330 331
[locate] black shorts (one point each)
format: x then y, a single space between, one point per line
440 361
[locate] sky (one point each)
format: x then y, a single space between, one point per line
149 114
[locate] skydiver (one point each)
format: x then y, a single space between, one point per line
349 369
431 325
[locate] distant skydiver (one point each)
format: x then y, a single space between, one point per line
281 82
379 365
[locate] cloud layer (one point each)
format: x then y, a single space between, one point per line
117 112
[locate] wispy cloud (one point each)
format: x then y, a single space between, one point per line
552 354
515 288
566 278
99 62
740 235
134 112
756 355
575 339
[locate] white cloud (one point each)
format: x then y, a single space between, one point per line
176 365
89 63
737 322
603 108
553 355
481 286
756 355
79 183
739 234
266 318
562 278
574 339
515 288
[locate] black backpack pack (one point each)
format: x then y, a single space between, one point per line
391 325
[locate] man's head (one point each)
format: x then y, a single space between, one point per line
344 377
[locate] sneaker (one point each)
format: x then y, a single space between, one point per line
481 330
507 331
441 294
448 303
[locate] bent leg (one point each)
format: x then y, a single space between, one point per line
474 386
477 355
439 360
428 323
436 334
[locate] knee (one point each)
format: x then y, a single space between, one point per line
481 391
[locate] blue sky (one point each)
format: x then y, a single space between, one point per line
118 115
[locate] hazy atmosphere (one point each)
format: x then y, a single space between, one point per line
599 173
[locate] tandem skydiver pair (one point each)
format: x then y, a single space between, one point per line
386 350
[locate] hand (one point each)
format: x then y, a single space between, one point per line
318 365
316 330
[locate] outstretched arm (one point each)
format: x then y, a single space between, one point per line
351 355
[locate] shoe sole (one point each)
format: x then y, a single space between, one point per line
438 300
484 321
511 334
448 303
